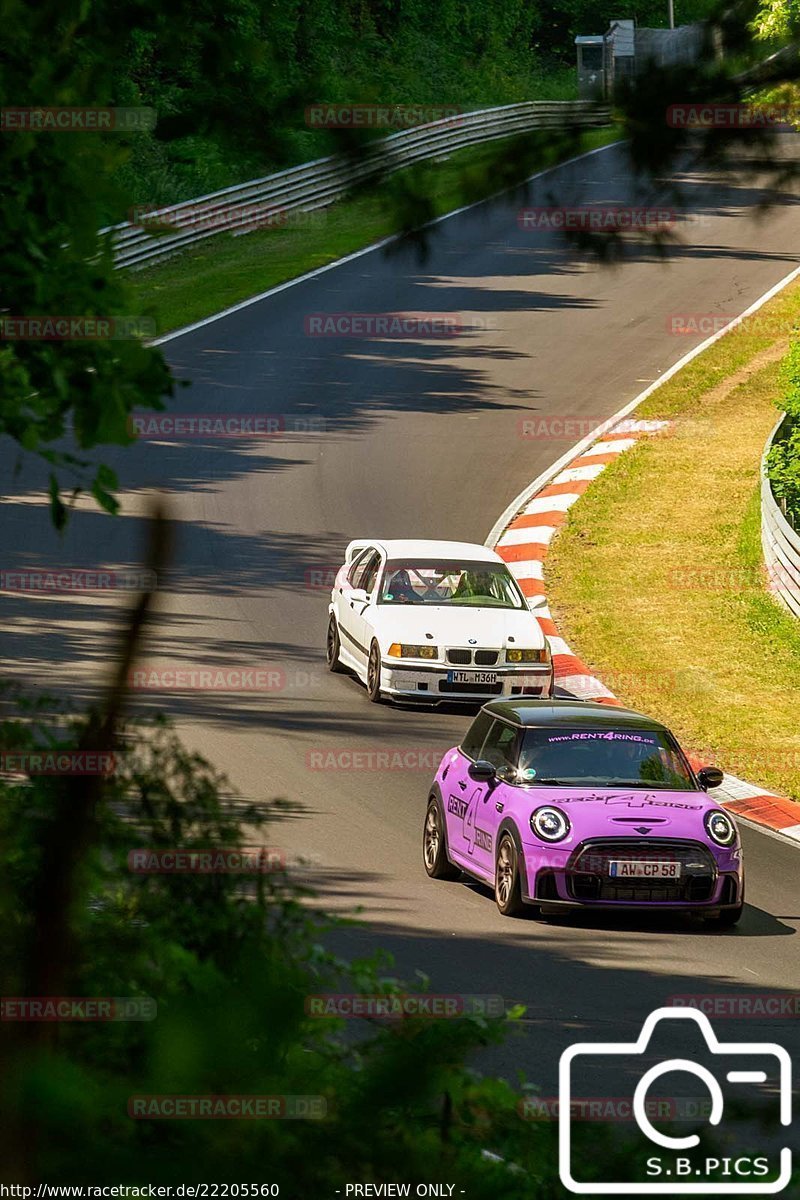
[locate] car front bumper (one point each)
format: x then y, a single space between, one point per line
561 880
431 685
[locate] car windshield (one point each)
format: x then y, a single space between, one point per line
646 758
450 582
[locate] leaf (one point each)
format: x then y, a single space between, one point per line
101 493
58 513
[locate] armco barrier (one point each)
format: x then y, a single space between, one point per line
314 185
781 543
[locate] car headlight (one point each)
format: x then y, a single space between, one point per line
528 656
720 828
403 650
550 824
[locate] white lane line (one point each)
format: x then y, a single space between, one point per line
281 287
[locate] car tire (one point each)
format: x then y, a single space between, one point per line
374 674
507 888
332 647
434 845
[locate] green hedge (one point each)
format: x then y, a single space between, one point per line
783 460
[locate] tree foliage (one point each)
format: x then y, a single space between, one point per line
783 460
777 19
231 963
229 86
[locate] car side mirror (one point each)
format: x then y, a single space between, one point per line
481 771
709 777
359 596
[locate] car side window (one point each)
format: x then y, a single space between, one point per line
371 574
476 735
356 572
501 747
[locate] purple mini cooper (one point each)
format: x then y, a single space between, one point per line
564 804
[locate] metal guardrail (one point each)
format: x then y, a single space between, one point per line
268 201
781 543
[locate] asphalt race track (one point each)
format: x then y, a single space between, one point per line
411 438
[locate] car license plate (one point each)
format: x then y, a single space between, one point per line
626 869
472 676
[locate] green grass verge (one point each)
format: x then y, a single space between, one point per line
226 269
657 577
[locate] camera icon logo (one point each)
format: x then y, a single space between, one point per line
675 1172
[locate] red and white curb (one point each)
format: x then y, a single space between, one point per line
523 545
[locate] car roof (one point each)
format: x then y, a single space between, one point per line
570 712
424 548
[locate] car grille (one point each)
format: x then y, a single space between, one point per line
470 689
588 878
464 658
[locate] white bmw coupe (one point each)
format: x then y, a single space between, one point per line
435 622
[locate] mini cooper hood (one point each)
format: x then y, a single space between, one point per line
622 812
457 626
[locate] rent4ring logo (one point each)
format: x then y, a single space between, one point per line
749 1089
